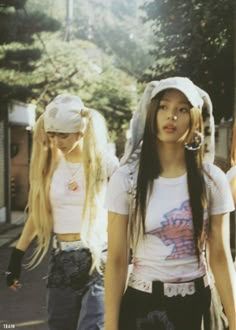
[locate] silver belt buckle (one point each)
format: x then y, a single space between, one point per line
182 289
66 246
70 246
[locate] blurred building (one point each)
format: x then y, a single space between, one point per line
223 138
16 135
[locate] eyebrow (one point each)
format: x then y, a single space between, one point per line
180 102
58 133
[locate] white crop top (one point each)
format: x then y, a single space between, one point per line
231 173
67 204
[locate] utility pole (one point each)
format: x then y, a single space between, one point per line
7 161
69 19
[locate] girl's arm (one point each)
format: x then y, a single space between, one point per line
116 268
221 264
233 188
27 235
14 266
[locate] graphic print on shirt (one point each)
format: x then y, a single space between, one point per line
177 230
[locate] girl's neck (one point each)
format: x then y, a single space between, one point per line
172 159
75 155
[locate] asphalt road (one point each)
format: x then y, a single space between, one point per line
25 309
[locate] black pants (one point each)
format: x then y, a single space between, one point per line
154 311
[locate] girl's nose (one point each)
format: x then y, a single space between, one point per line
172 117
56 140
172 113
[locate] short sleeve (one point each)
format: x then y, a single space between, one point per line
117 192
112 164
231 173
221 200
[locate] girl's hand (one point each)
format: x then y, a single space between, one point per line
14 269
16 285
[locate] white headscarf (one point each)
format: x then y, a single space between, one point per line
64 115
196 96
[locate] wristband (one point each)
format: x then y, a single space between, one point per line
14 267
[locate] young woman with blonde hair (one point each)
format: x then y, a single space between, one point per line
170 207
69 170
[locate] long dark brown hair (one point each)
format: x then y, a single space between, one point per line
150 169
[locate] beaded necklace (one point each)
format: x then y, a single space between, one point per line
72 183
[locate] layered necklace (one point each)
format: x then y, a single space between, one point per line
72 183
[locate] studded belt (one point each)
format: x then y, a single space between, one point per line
169 289
66 246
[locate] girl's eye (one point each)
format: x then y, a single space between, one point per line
64 135
184 110
162 107
50 135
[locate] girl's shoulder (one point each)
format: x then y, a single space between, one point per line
112 163
124 176
213 170
122 172
214 175
218 190
231 173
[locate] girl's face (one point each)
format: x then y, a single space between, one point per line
66 142
173 117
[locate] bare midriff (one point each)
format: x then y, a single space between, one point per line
68 237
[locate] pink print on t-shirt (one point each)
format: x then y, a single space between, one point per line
177 230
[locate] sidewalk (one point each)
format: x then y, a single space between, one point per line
25 309
9 232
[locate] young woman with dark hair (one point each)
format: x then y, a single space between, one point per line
170 207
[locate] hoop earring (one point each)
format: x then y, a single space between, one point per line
196 142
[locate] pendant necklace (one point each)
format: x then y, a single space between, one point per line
72 184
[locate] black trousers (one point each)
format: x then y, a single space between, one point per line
154 311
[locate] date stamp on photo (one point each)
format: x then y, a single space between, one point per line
9 326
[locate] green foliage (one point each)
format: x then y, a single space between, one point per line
17 4
18 26
36 65
18 54
116 27
114 97
19 59
195 39
79 67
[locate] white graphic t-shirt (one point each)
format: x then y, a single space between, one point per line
167 252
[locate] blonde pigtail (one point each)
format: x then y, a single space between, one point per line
43 161
95 146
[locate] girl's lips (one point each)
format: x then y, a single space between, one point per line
169 128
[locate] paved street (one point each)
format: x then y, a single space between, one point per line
25 309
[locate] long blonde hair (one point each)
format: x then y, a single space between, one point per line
94 217
44 160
